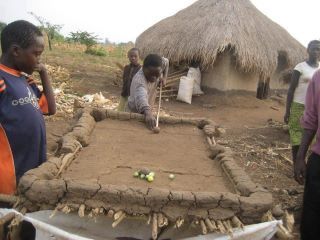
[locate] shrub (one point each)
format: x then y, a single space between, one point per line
96 51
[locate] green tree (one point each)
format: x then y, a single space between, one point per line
85 38
2 26
52 30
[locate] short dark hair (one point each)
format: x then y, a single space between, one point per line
134 49
19 32
313 42
152 60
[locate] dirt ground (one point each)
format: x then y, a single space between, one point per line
56 128
119 148
256 133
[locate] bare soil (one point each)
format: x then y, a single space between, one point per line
119 148
254 131
55 129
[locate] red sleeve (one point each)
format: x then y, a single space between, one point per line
43 104
7 168
2 85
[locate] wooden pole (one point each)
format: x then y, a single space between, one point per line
81 210
154 226
119 220
203 227
117 215
159 106
237 223
210 225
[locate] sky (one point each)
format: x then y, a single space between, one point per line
124 20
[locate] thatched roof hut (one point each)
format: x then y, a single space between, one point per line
208 29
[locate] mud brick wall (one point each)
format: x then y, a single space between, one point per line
43 188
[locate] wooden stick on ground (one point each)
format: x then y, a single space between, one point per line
221 227
214 225
168 96
17 203
23 210
203 227
288 221
177 74
179 222
67 159
173 80
173 84
160 220
110 213
228 227
3 221
194 223
213 141
95 211
237 223
119 220
90 215
54 212
165 221
210 225
286 159
209 140
149 219
282 232
170 90
81 210
7 218
154 226
101 211
66 209
117 215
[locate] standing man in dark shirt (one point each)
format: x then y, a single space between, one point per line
128 72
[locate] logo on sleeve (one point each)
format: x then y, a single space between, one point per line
30 99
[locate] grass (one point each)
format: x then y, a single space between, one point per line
73 55
97 71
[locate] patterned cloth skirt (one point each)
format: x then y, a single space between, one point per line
295 129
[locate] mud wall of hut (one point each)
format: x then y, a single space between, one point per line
224 76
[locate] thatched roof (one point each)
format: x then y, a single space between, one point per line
209 27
